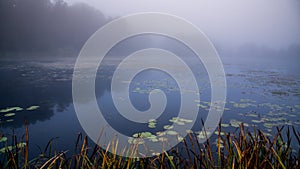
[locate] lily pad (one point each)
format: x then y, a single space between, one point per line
11 109
252 115
257 121
9 114
19 145
32 108
152 121
179 138
269 125
235 123
224 125
203 134
135 141
163 139
142 135
172 133
185 120
221 133
160 134
167 127
3 139
151 125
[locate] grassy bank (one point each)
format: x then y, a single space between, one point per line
241 150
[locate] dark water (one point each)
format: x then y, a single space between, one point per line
263 94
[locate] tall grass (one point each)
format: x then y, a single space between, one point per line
241 150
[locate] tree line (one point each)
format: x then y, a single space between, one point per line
46 25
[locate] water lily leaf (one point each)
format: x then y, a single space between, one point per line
160 134
180 123
172 133
257 121
3 139
163 139
269 125
179 138
152 121
185 120
136 141
10 148
32 108
224 125
143 135
154 139
11 109
9 120
167 127
252 115
202 106
203 134
221 133
9 114
235 123
174 119
152 126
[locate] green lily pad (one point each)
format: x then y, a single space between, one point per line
154 139
202 106
32 108
10 148
167 127
160 134
11 109
142 135
3 139
180 123
252 115
174 119
235 123
203 134
163 139
172 133
221 133
224 125
10 120
269 125
152 126
9 114
152 121
136 141
257 121
185 120
179 138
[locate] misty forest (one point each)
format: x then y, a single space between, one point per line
41 125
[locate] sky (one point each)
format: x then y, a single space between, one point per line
271 23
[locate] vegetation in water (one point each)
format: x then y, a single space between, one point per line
242 149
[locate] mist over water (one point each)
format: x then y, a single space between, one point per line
258 43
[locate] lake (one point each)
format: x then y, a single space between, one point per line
265 94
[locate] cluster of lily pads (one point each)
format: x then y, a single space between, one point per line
9 148
139 138
11 112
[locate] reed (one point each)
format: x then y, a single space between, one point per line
242 149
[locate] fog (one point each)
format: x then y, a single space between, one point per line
270 23
266 28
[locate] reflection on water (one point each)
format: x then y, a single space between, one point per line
261 97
